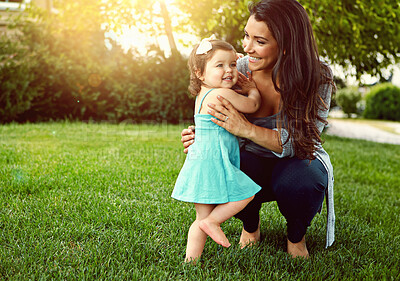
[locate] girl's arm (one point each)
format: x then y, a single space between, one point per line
247 103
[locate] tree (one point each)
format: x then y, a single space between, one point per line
167 26
360 33
57 67
224 18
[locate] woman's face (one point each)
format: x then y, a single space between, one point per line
260 45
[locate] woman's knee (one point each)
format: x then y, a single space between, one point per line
299 188
299 177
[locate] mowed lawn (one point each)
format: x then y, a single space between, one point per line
92 201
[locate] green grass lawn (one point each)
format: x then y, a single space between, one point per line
92 201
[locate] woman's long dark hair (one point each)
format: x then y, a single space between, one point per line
298 72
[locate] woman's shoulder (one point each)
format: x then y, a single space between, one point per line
327 84
326 71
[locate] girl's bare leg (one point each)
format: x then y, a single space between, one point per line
196 237
211 224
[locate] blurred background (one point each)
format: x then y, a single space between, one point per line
125 60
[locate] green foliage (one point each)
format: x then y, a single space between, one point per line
383 102
57 66
226 19
360 34
347 99
57 69
364 34
16 78
92 202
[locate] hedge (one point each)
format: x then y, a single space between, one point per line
383 102
348 99
50 71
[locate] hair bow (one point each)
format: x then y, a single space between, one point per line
205 45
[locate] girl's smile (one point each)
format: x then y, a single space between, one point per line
220 71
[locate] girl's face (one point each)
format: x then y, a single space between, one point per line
260 45
220 70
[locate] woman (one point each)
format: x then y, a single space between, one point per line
280 143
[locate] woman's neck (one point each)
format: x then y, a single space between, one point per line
265 75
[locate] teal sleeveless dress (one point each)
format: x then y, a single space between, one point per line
211 173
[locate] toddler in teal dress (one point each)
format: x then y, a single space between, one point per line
211 177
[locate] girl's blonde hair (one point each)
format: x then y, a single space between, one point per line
197 63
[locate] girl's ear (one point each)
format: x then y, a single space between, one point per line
199 74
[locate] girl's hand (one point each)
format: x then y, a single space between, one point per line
227 117
245 83
187 138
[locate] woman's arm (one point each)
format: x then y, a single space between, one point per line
238 125
325 92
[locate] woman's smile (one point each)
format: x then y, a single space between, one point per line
253 59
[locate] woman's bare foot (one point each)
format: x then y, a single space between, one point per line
249 239
298 249
214 231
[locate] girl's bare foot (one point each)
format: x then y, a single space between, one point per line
214 231
249 239
192 261
298 249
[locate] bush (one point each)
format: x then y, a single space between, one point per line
383 102
348 99
17 75
54 69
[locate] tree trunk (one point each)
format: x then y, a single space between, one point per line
168 28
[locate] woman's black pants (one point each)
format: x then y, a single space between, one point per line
297 185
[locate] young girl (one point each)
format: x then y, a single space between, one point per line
211 176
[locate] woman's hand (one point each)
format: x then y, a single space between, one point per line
187 138
230 119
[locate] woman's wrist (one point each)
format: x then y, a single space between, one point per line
264 137
249 131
